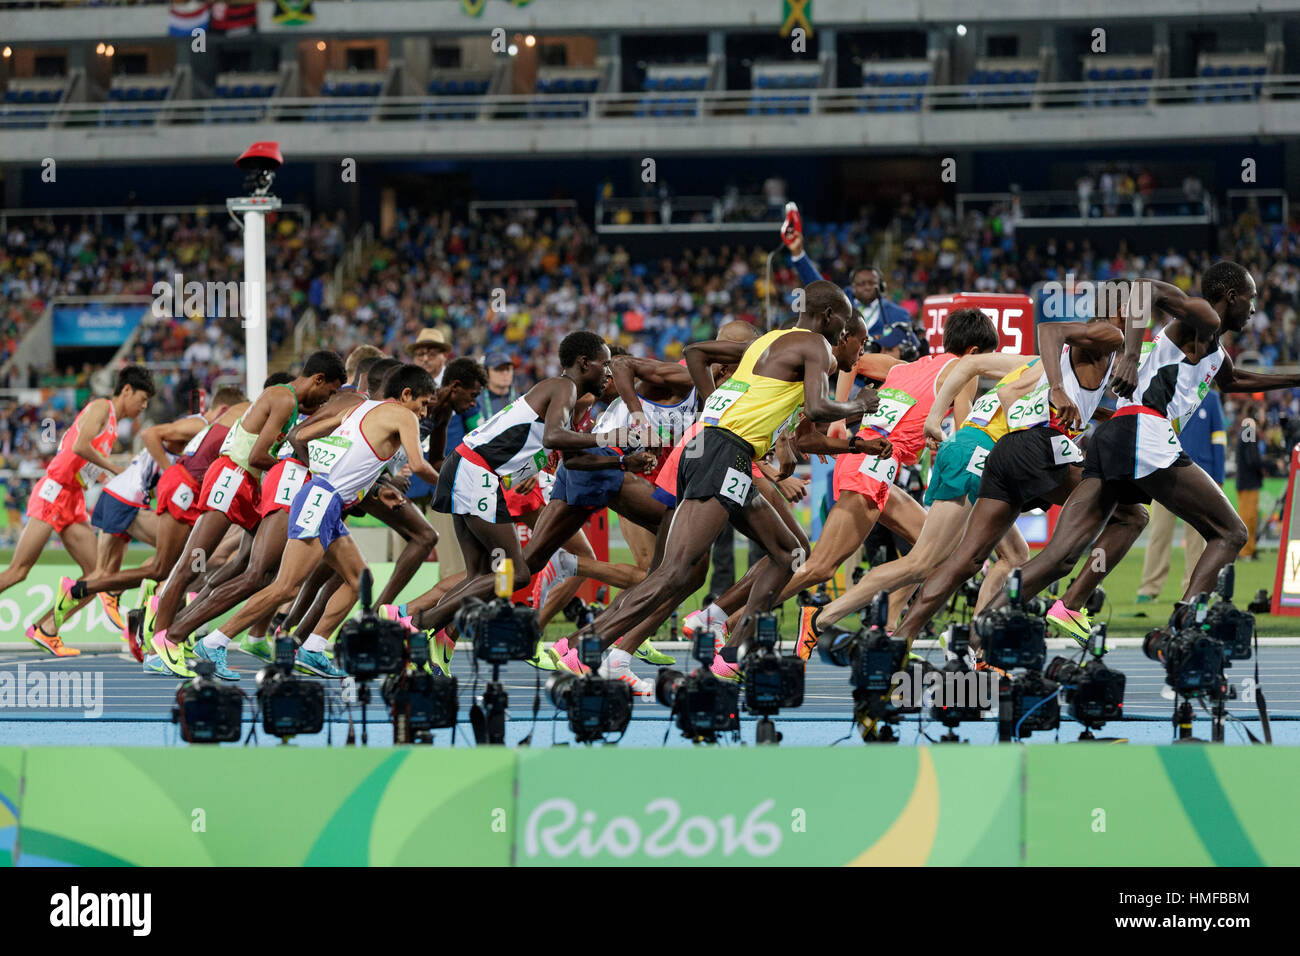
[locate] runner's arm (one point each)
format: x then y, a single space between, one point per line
317 426
408 431
818 404
282 407
700 355
1094 339
1233 379
559 410
94 422
156 436
967 369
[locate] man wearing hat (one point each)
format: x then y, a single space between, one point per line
500 390
431 351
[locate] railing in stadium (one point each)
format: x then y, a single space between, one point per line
147 213
692 108
1063 207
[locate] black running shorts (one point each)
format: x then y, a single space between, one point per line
718 464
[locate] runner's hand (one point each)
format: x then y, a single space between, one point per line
866 399
1123 379
1066 411
794 489
391 497
878 447
933 434
640 462
525 486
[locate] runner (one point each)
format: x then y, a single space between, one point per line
230 493
58 502
1037 464
348 449
1135 457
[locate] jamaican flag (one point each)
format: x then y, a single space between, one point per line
796 13
473 8
293 13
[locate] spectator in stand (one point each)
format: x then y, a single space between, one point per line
1084 186
500 390
1250 475
1206 443
431 352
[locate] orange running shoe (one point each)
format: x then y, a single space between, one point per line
114 612
50 642
807 641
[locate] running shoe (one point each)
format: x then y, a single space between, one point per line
983 666
64 602
314 662
173 655
562 566
652 655
131 633
216 655
568 661
792 227
698 619
153 665
1072 624
441 649
623 673
147 588
112 606
262 650
51 643
724 671
150 614
540 659
390 612
807 635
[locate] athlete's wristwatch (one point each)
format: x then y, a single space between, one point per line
853 444
622 463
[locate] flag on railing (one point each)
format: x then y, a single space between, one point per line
473 8
521 3
234 19
293 13
186 16
796 13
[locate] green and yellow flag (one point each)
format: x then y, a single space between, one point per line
293 13
521 3
796 13
473 8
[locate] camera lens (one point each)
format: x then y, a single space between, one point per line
1154 644
558 688
666 685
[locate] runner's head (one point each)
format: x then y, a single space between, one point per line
969 331
277 378
411 386
826 309
356 357
738 331
378 373
610 391
584 356
225 397
321 377
852 341
1230 289
362 369
466 378
134 388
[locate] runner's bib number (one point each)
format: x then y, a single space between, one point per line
723 397
735 485
223 490
291 482
1065 452
183 497
1031 410
976 464
882 469
984 409
785 425
313 511
893 405
324 453
49 490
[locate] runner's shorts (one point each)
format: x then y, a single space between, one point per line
467 488
1022 471
178 495
588 489
57 505
280 484
868 475
113 515
959 466
317 512
1128 447
230 489
716 463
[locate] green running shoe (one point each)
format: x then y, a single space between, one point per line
652 655
540 659
263 649
63 604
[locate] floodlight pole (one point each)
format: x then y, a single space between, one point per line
253 210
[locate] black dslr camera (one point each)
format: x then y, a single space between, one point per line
500 631
595 706
289 704
1011 637
1200 643
209 711
957 673
771 681
874 658
1026 703
368 647
704 704
418 700
1094 692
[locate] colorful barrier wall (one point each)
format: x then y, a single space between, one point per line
939 806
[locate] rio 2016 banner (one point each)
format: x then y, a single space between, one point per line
95 324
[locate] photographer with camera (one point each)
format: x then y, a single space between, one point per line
347 451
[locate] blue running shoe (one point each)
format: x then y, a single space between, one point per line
153 664
314 662
218 656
